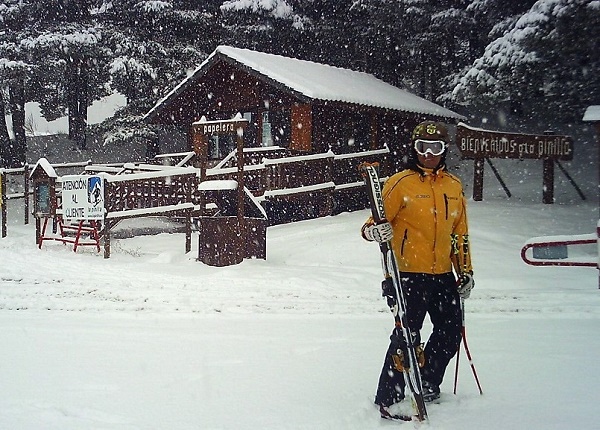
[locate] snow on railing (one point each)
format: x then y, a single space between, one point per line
233 154
553 250
131 213
163 173
297 158
381 151
185 157
297 190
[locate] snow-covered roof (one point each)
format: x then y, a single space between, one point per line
318 82
592 113
46 166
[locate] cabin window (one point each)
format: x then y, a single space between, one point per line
220 146
280 127
250 140
267 138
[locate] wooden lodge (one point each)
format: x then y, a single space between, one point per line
309 126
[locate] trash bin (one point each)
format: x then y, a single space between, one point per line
220 241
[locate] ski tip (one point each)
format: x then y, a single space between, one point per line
405 418
393 416
365 165
402 418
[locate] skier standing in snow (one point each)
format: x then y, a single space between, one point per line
427 226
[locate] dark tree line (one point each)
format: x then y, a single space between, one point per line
538 57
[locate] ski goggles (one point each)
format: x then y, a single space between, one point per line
434 147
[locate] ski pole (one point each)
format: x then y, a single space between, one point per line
463 329
464 339
458 357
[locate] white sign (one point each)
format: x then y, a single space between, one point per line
82 197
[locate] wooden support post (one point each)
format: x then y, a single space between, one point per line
240 129
188 231
106 241
38 227
105 225
478 167
240 172
188 213
548 181
3 202
26 192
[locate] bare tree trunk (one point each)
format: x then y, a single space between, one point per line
72 98
18 153
82 100
77 101
5 142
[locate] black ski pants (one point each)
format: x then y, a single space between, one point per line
437 296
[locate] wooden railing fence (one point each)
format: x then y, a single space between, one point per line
270 174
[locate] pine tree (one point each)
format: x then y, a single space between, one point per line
273 26
152 45
14 72
61 42
12 76
541 65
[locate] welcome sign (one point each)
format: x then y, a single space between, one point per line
479 143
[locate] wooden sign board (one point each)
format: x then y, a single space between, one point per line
219 127
82 197
479 143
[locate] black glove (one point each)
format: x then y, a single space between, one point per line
465 285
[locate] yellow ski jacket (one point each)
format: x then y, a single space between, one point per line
428 215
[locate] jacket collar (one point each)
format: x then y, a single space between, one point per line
423 171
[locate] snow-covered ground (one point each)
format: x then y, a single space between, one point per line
153 339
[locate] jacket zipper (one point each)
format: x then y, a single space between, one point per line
404 241
435 227
446 204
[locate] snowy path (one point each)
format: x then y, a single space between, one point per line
152 339
70 370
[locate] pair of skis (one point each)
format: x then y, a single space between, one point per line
397 303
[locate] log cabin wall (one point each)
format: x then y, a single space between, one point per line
343 128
